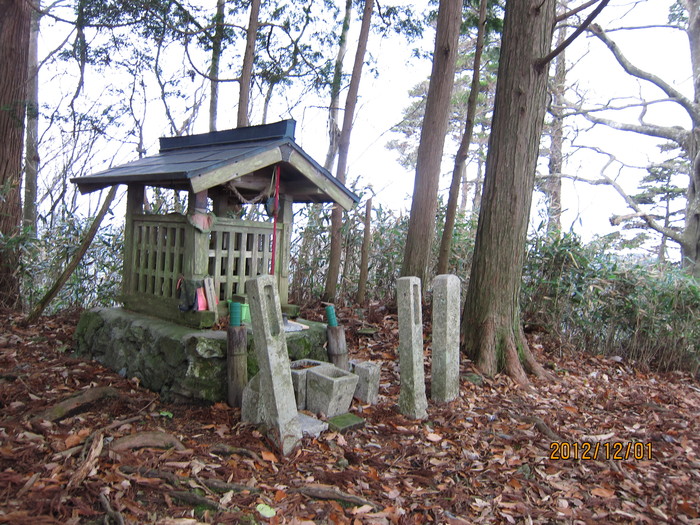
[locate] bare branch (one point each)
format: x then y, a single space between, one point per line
631 203
650 26
633 70
676 133
546 60
574 11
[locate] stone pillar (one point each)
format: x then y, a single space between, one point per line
412 400
276 390
444 384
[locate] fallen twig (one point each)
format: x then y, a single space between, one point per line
84 470
28 485
115 515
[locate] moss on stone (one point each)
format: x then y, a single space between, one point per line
176 359
89 324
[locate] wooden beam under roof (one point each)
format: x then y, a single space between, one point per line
310 172
234 170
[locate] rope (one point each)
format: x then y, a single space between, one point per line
262 195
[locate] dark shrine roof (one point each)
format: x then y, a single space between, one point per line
245 157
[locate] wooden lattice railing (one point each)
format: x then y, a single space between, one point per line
238 251
160 253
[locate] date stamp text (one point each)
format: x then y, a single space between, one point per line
616 450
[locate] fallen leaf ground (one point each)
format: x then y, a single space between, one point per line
484 458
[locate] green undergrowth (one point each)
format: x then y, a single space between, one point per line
604 303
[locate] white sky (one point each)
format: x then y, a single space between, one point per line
383 98
587 209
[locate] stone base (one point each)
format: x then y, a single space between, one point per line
175 360
329 390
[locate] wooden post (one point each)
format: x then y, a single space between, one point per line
337 347
196 263
364 259
219 203
284 241
134 206
236 363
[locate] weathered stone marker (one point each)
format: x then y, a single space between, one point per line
412 400
276 391
367 389
444 383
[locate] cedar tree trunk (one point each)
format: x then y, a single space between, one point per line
15 18
552 185
216 46
421 226
459 170
31 162
247 70
690 248
491 327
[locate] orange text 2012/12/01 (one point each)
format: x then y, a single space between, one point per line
616 450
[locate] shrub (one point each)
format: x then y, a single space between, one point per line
97 279
605 303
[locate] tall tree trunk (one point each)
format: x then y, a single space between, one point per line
421 226
478 186
333 129
463 151
464 193
216 48
364 258
552 185
690 249
15 17
343 150
247 71
491 327
333 108
31 158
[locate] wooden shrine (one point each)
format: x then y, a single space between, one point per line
222 171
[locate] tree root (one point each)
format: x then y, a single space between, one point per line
517 358
227 450
194 499
75 404
513 367
111 513
319 491
541 426
146 439
176 481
